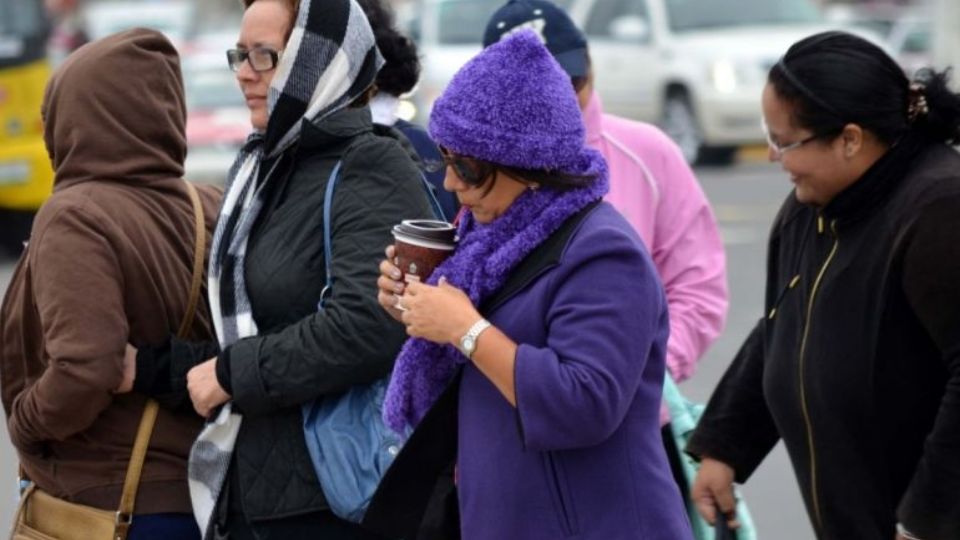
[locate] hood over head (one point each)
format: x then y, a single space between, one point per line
115 111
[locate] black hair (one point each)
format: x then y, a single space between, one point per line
835 78
401 71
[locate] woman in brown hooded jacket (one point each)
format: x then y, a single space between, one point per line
109 261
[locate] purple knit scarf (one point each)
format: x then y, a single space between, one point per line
480 266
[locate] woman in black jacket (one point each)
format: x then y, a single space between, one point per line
306 72
856 362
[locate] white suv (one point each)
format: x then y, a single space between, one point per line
694 67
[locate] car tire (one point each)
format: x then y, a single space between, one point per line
14 231
680 124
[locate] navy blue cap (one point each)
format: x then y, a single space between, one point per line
561 36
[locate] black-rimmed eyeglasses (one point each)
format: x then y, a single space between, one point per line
260 58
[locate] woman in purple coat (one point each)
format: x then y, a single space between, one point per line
539 344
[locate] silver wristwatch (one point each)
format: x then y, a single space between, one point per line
468 343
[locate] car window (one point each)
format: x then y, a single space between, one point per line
622 20
696 14
462 21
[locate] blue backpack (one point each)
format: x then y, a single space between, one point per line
350 446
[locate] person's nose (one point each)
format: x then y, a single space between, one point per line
246 73
772 154
452 181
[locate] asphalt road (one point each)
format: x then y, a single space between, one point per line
745 198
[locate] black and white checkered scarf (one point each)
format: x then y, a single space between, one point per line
330 59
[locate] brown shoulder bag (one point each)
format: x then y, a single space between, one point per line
41 516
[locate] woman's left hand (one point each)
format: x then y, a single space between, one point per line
205 391
441 313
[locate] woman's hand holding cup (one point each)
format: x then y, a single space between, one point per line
390 285
420 246
441 313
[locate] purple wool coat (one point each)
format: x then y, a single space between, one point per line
581 456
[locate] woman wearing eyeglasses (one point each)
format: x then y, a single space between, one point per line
855 363
537 353
306 71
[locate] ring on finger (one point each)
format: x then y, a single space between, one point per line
398 305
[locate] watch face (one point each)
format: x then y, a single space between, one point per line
468 343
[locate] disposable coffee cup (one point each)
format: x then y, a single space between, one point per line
421 245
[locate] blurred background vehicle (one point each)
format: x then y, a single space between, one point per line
218 123
946 35
695 68
448 33
218 120
906 29
911 42
26 176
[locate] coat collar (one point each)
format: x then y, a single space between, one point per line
865 195
338 128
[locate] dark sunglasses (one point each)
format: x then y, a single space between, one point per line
260 58
463 166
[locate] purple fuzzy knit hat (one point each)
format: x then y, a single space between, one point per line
512 105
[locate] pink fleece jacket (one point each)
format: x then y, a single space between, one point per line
652 185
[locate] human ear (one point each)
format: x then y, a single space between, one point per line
852 137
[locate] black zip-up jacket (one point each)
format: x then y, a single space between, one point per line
856 364
300 353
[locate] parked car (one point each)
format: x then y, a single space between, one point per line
906 30
448 33
911 42
694 67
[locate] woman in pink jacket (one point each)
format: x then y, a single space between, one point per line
652 186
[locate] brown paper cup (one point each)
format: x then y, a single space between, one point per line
421 245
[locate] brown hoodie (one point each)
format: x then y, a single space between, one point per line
109 262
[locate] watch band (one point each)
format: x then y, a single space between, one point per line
468 343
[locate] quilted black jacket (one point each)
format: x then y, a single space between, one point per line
301 353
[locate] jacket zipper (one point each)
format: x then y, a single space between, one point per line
803 350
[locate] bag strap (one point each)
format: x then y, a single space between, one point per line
327 245
199 247
327 213
124 516
432 196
